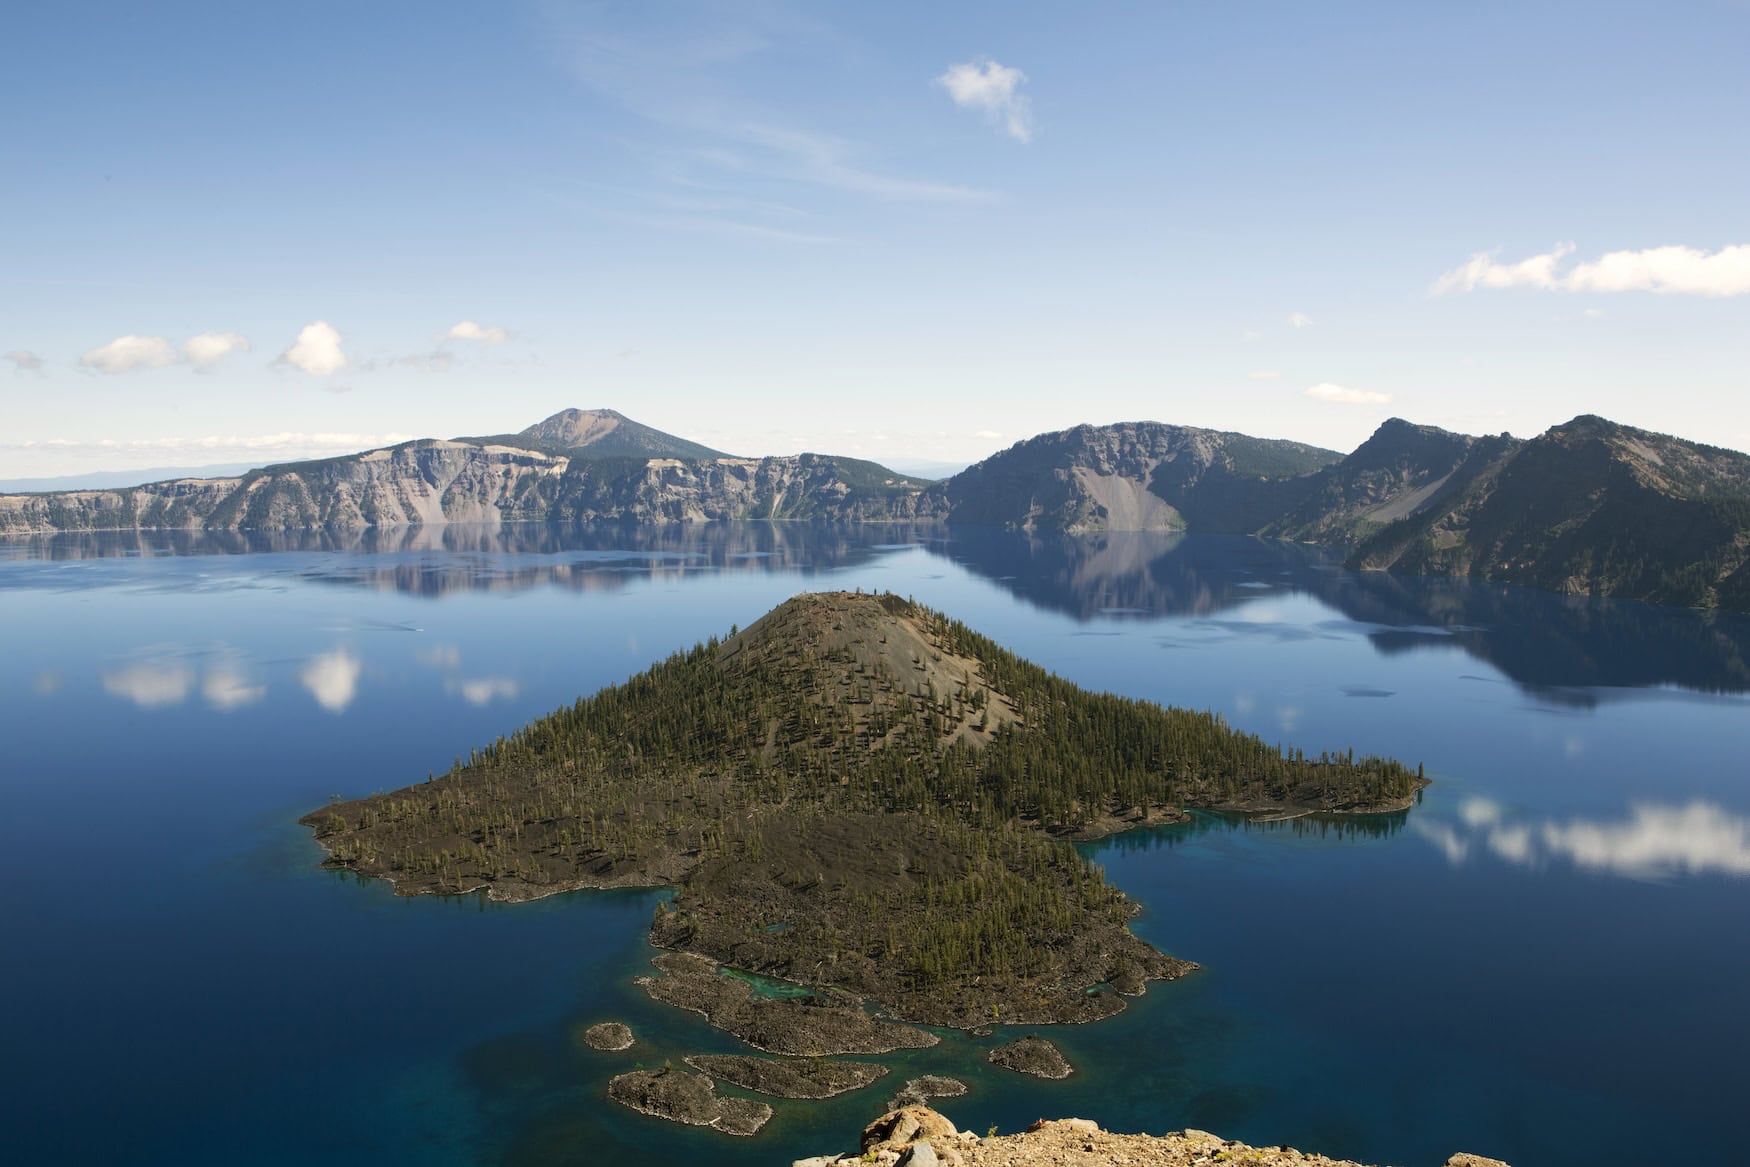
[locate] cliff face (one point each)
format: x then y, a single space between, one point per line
436 482
1139 476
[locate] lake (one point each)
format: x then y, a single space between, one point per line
1543 961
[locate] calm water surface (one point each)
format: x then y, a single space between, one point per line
1544 961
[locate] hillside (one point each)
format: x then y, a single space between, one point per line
857 794
1590 507
1138 476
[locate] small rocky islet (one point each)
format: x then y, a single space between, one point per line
687 1098
1031 1055
608 1036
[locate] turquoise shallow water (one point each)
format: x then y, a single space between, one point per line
1541 962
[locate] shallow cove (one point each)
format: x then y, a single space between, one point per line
1540 962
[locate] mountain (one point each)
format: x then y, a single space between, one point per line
574 466
601 433
1137 476
1590 507
854 793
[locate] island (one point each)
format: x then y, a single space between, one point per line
857 795
1031 1055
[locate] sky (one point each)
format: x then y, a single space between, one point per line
902 231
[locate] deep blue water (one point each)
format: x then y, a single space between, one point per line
1544 961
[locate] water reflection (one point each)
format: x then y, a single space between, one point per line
1205 822
1567 652
1655 841
332 678
165 675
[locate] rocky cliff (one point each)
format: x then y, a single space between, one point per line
1138 476
434 482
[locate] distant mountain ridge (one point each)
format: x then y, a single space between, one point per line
1589 507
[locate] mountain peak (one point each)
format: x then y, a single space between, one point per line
607 433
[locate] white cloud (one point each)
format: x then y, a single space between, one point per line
150 684
1344 395
1251 336
992 88
469 330
316 351
1667 270
209 348
126 353
332 678
1300 320
25 361
484 690
988 435
1264 375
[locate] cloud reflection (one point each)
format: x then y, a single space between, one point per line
484 690
226 686
332 678
150 684
1655 841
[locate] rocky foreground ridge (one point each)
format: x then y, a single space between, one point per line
916 1136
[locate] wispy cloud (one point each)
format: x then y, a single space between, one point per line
995 89
1684 271
25 361
1331 392
1264 375
316 351
1299 320
707 134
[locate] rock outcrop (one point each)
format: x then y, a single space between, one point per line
916 1136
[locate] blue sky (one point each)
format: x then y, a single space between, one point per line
902 231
